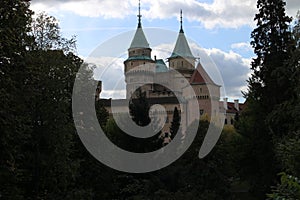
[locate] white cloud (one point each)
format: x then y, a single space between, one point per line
114 94
219 13
110 71
242 46
292 6
234 69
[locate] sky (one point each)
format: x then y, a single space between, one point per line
218 31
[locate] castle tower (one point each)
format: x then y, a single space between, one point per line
182 59
139 59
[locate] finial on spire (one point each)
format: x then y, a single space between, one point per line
181 29
139 15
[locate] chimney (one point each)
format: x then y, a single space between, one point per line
155 58
236 104
225 103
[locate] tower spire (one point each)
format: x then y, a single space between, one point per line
139 15
181 29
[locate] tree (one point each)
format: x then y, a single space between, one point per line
175 124
47 34
272 43
48 97
289 188
102 113
49 86
36 138
139 108
269 86
15 17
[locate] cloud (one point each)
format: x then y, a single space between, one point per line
219 13
292 7
87 8
110 69
233 68
242 46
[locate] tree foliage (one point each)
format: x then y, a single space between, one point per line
15 18
287 189
139 109
46 31
175 124
270 86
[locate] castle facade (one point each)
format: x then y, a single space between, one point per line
163 84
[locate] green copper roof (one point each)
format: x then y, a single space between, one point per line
139 39
182 48
139 58
161 66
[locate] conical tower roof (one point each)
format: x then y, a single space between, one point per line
182 48
139 39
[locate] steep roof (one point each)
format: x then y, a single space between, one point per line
139 40
182 48
200 76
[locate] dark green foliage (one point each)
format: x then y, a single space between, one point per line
287 189
256 159
288 152
37 131
14 19
47 34
50 146
188 177
102 113
175 124
130 143
139 109
269 87
272 43
271 97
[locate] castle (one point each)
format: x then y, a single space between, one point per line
163 84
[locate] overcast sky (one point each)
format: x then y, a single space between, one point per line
219 28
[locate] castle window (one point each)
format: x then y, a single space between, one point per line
225 122
181 63
201 112
200 90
